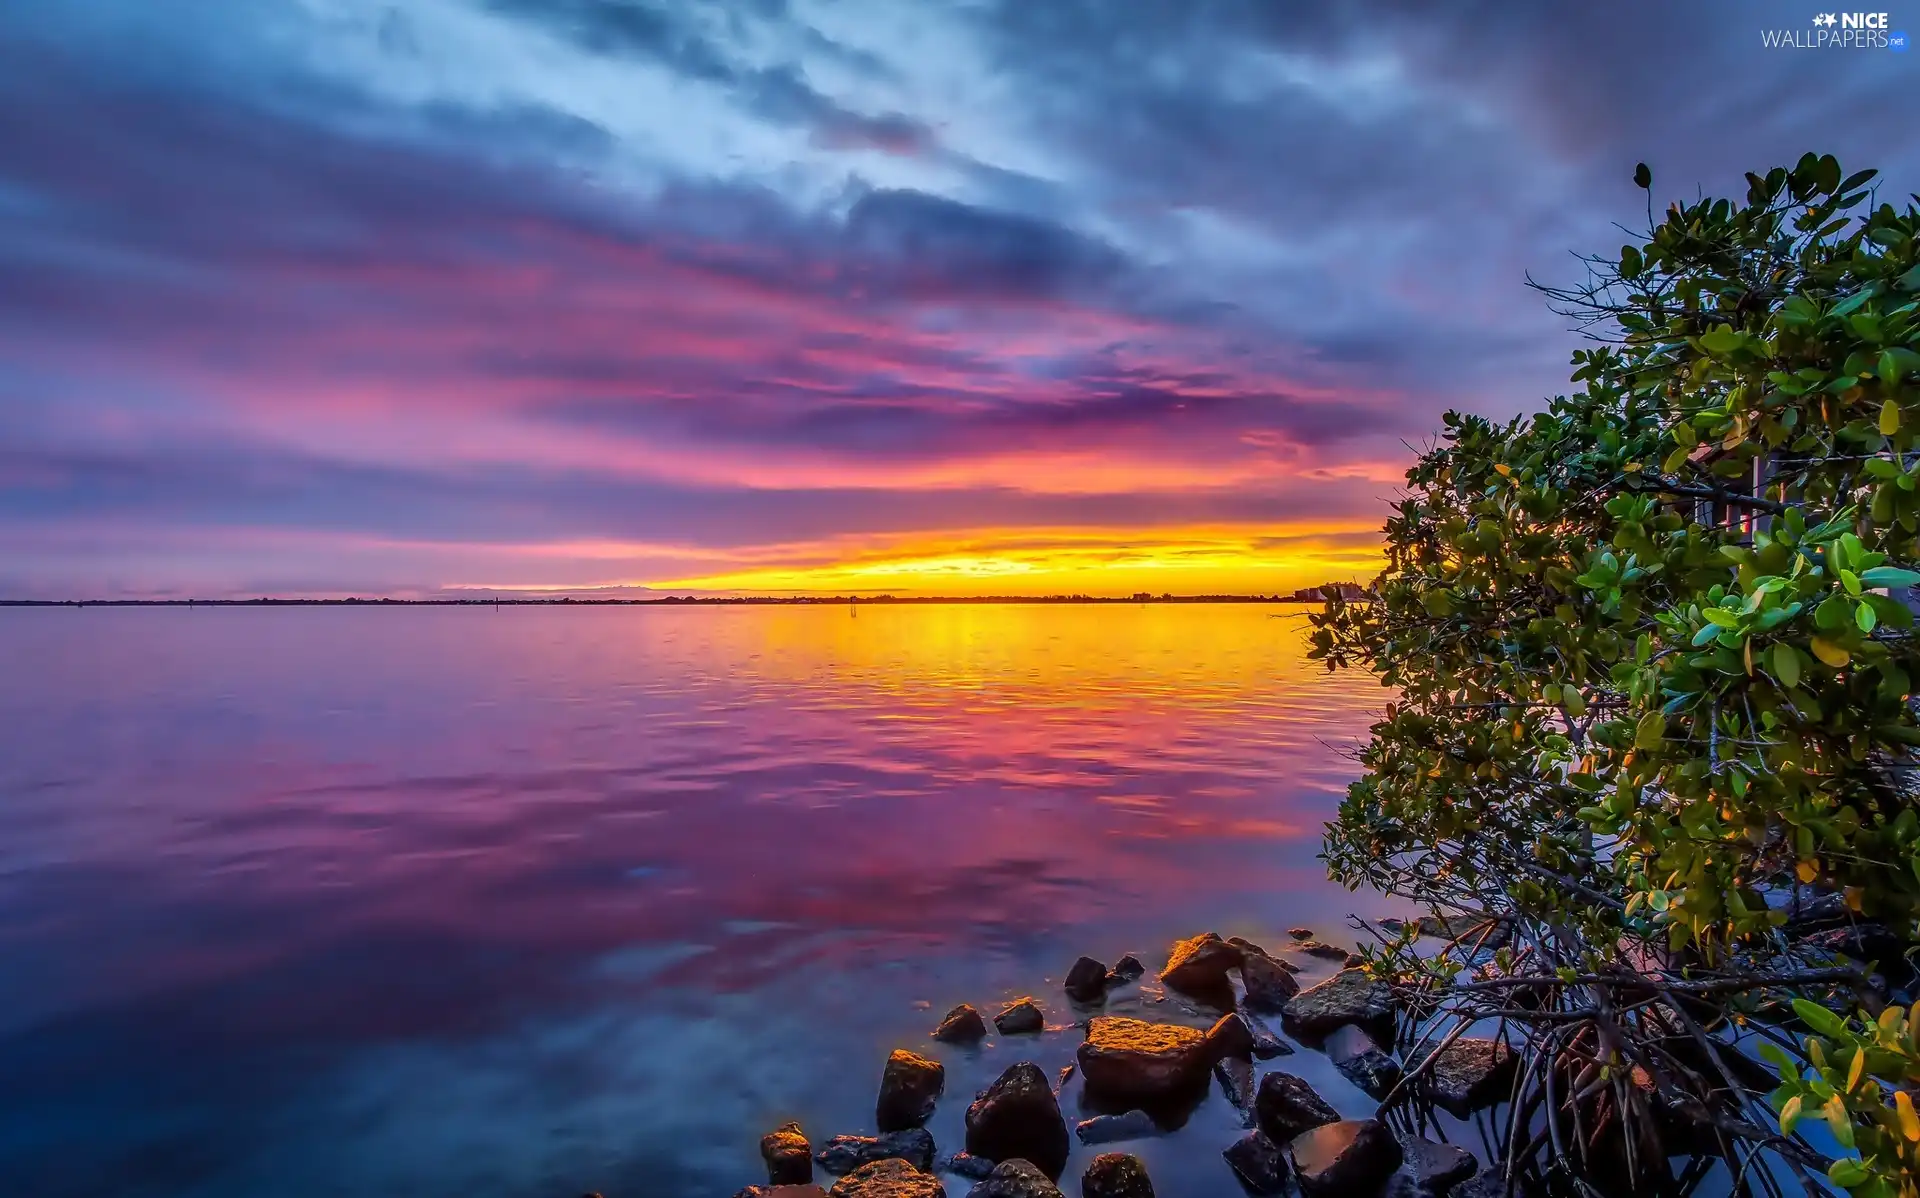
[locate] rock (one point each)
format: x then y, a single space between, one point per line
1269 985
1126 969
1287 1106
963 1025
1229 1037
1300 933
1060 1079
965 1164
1314 948
1236 1082
844 1154
1488 1183
892 1178
909 1088
1086 980
1355 960
1246 946
798 1191
1018 1116
1199 966
1259 1164
1015 1179
1390 923
1266 1045
1116 1175
1436 1167
1350 996
788 1155
1021 1015
1133 1061
1362 1062
1105 1129
1468 1074
1349 1159
1465 928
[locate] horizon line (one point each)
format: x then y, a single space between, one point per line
664 600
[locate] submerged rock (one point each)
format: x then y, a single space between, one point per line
1018 1117
1349 1159
788 1155
1015 1179
1086 980
1436 1167
1020 1016
1268 984
1229 1037
844 1154
1314 948
1126 969
962 1025
1363 1062
1116 1175
1468 1074
1350 996
1259 1164
965 1164
1237 1083
1106 1129
1199 966
891 1178
1286 1106
1266 1045
1133 1061
909 1089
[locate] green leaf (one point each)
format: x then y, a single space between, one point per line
1650 731
1890 576
1863 617
1821 1020
1786 665
1846 1173
1889 371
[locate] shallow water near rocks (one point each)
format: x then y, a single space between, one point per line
530 902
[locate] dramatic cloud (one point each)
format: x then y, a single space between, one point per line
356 296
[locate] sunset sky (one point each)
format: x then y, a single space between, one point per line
413 297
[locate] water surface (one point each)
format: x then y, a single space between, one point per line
444 901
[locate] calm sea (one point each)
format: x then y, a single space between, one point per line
530 902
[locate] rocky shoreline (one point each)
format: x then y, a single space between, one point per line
1141 1076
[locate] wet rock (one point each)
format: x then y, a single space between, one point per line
1106 1129
1229 1037
892 1178
1237 1083
844 1154
1268 984
1390 923
1015 1179
1349 1159
1466 928
1362 1062
788 1155
1300 933
1020 1016
796 1191
965 1164
1246 946
909 1088
1488 1183
1199 966
1468 1074
1259 1164
1086 980
1437 1168
963 1025
1116 1175
1018 1116
1350 996
1315 948
1286 1106
1133 1061
1126 969
1060 1079
1266 1045
1355 960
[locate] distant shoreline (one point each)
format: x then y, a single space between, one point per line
673 601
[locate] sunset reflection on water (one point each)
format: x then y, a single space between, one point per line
535 901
